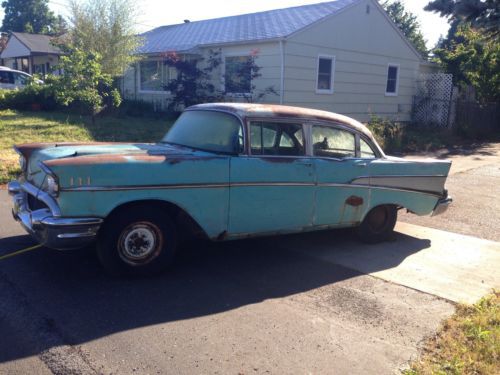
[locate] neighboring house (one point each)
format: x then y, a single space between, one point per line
345 56
31 53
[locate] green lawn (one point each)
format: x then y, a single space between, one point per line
24 127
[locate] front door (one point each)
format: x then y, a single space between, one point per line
272 189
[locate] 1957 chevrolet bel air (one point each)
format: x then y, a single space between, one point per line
225 171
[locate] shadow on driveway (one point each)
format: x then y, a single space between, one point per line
82 303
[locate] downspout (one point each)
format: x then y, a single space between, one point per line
282 81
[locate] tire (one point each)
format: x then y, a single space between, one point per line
378 224
139 241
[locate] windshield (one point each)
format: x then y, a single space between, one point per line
206 130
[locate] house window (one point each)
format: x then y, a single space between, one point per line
238 74
326 67
392 80
155 75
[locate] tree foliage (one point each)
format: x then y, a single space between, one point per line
31 16
106 27
473 59
82 84
407 23
480 14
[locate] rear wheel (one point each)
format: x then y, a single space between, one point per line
378 224
138 241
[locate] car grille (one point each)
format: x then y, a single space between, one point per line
35 204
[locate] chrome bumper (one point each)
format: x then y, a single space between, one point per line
46 225
442 206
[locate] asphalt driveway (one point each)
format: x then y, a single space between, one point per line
309 303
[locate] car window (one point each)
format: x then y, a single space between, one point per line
365 150
276 138
333 142
20 79
6 77
208 131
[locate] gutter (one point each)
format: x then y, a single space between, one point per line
282 80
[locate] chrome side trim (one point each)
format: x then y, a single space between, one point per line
244 184
434 184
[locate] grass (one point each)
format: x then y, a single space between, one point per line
24 127
468 342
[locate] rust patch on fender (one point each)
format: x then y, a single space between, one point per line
354 201
105 159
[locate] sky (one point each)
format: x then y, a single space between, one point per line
153 13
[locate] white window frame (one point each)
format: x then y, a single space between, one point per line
332 74
395 93
141 91
223 78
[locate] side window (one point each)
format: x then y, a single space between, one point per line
333 142
365 150
274 138
6 77
326 67
20 79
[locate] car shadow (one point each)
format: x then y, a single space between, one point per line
84 303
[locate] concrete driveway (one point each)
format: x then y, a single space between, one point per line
309 303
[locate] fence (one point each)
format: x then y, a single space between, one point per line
477 120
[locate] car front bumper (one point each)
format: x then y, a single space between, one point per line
46 225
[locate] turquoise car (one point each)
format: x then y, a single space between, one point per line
223 171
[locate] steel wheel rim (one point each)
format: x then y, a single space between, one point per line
377 219
140 243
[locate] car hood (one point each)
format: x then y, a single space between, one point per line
72 154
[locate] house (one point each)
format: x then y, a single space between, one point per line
345 56
31 53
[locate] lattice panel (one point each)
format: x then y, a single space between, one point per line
432 103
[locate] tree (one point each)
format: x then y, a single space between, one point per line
407 23
480 14
473 59
106 27
30 16
83 85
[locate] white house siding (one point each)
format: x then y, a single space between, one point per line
268 58
363 45
15 49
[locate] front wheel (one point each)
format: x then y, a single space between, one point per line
378 224
139 241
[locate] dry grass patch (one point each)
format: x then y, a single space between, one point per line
468 342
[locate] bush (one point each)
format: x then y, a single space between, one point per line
32 97
389 135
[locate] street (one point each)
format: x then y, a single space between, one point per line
307 303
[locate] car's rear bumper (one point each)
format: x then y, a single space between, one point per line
47 227
442 205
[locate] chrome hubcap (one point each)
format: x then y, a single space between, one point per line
140 243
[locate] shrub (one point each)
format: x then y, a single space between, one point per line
388 134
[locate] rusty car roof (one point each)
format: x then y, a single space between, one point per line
244 110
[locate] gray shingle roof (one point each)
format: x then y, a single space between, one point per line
260 26
37 43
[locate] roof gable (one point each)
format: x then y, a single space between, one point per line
36 43
260 26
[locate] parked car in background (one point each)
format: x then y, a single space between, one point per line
14 79
223 171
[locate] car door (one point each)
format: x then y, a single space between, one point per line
339 161
272 186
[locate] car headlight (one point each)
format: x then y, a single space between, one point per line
22 163
52 185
